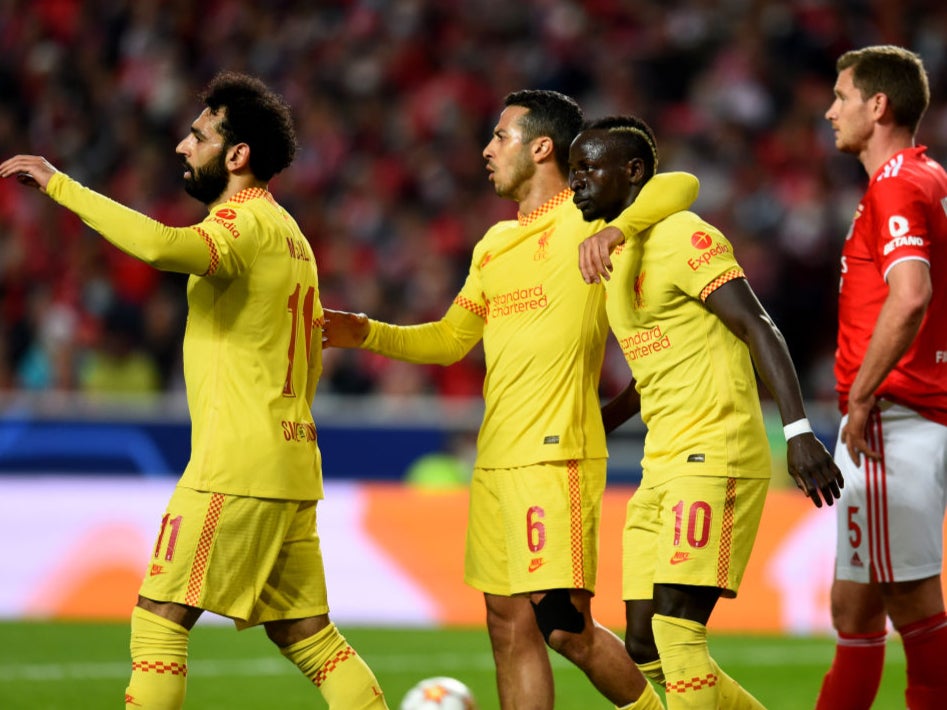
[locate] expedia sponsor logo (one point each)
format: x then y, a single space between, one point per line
297 249
520 300
710 253
898 242
225 217
299 431
701 240
940 356
644 342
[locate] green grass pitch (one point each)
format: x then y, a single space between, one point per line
53 666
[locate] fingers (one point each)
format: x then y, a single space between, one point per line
594 260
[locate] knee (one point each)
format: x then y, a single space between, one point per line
559 621
857 609
641 646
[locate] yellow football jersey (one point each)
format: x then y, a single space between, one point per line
543 328
698 389
252 346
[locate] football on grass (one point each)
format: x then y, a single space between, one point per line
439 694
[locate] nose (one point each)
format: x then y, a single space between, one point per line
575 181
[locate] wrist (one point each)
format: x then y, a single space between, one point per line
800 426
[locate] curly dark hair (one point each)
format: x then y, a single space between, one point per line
255 115
549 114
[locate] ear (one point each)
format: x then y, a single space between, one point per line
542 149
879 104
634 169
238 157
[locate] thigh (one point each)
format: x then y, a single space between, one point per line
535 528
220 552
295 585
891 514
708 528
639 541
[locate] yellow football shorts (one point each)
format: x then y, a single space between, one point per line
534 528
694 530
250 559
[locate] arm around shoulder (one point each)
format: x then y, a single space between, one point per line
663 195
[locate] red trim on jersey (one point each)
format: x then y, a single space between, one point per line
548 206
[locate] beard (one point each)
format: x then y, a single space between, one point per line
208 183
521 171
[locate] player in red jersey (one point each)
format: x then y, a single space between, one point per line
891 369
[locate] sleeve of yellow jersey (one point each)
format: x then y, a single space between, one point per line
181 249
663 195
442 342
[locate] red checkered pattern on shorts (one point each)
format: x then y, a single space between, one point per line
160 667
575 525
332 664
726 534
683 686
195 582
720 281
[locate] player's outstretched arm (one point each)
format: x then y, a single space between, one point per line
810 464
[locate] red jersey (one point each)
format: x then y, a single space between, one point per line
903 215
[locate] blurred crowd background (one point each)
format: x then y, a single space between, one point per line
394 101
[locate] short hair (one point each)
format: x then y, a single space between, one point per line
549 114
895 72
633 136
255 115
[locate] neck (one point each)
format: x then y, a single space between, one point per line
540 189
237 183
879 152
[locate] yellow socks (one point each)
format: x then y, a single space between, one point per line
690 674
341 675
648 700
652 671
159 662
692 678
